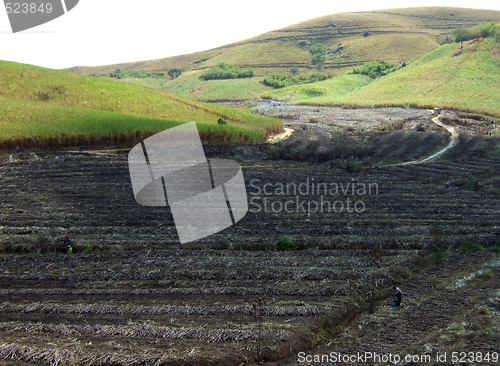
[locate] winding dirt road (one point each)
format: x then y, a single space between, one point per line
453 142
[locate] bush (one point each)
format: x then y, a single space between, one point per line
285 243
279 81
226 71
314 91
221 122
318 52
135 73
448 39
318 59
374 69
174 73
484 30
318 48
471 248
282 81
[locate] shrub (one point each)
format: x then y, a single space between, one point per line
174 73
135 73
294 71
279 81
282 81
314 91
374 69
484 30
285 243
471 248
221 122
226 71
318 52
318 48
318 59
448 39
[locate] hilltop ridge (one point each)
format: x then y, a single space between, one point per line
394 35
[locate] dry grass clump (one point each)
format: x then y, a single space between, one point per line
48 308
55 357
150 331
240 291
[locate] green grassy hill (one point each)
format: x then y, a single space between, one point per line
395 36
189 85
467 80
40 107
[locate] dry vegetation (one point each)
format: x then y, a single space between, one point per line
144 307
284 281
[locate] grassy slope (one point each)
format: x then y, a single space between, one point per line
467 80
189 85
38 103
395 35
331 90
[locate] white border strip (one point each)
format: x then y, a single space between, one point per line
64 6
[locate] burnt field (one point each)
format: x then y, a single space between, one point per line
318 205
178 307
317 253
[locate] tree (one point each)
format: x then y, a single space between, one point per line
318 48
174 73
462 35
318 59
318 53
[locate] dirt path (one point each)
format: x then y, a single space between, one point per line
453 142
446 309
280 136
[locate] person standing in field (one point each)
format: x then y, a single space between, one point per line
398 294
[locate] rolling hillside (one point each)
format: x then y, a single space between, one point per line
465 79
41 107
394 35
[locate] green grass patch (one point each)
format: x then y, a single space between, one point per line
322 92
49 125
37 103
189 85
